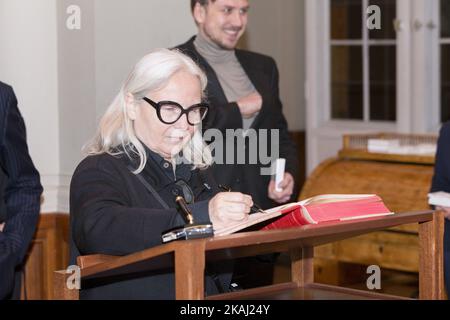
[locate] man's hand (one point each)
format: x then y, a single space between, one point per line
446 211
250 105
2 226
287 186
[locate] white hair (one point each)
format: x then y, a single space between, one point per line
116 135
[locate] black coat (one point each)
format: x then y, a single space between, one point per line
441 182
21 196
263 73
3 182
113 213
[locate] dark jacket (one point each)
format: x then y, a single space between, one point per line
3 181
441 182
113 213
21 196
263 73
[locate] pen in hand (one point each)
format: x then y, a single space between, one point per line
254 209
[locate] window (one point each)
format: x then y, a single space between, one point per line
363 61
393 79
445 60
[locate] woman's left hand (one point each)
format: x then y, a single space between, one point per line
2 226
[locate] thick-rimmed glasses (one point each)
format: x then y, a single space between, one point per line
169 111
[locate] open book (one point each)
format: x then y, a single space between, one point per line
322 208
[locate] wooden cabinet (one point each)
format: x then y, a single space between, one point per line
49 251
402 181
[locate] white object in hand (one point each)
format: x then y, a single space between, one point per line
439 198
279 173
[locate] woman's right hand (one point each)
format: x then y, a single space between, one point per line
228 207
2 225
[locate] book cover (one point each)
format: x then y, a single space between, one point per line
318 209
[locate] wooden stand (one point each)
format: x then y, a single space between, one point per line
188 259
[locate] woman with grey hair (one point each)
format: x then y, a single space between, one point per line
147 151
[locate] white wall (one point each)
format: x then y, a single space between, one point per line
127 30
28 62
277 30
76 79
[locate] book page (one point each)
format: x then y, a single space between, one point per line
352 208
327 198
367 216
253 219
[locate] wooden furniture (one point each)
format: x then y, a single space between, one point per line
48 251
356 146
401 180
188 259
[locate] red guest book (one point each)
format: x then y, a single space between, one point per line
318 209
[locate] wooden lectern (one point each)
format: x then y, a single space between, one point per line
188 259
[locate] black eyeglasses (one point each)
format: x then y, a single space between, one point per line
169 111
